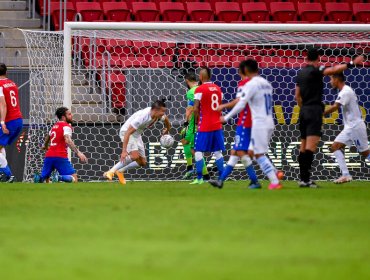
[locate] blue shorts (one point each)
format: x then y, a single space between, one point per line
62 165
210 141
15 128
242 138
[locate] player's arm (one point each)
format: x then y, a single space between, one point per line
167 125
46 143
298 96
126 139
341 67
228 105
332 108
73 147
3 111
240 105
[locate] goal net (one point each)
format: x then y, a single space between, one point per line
107 71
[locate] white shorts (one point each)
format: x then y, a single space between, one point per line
260 139
356 136
135 143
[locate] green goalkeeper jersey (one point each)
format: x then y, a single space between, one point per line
192 128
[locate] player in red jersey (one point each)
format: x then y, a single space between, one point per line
56 144
210 136
11 120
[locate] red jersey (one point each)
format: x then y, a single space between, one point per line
9 90
245 116
210 97
57 145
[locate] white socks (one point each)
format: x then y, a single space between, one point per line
121 164
268 168
3 161
339 156
132 165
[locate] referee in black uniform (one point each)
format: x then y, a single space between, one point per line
309 92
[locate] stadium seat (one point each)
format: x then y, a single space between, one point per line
218 61
89 11
338 12
163 61
311 12
228 11
362 12
115 82
121 48
172 11
255 11
56 14
200 12
212 2
145 11
283 11
134 62
116 11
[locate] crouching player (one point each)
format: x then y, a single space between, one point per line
242 138
56 144
133 150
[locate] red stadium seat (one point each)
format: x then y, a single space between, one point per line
255 11
89 11
117 11
135 62
145 11
228 12
56 13
121 48
311 12
218 61
115 82
362 12
164 61
283 11
172 11
200 12
213 2
338 12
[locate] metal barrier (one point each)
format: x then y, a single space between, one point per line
104 81
2 46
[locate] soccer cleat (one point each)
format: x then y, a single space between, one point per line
217 183
36 178
206 177
343 179
121 178
55 178
254 185
280 175
313 185
197 182
10 179
303 184
109 175
275 186
188 174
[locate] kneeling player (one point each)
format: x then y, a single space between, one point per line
133 150
56 157
354 131
242 139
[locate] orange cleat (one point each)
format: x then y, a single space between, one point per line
121 178
280 175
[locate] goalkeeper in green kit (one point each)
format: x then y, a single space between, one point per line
190 128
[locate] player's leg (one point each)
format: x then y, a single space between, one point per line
187 141
343 139
66 171
218 146
248 165
233 160
202 141
361 141
46 171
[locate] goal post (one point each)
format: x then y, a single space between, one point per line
106 71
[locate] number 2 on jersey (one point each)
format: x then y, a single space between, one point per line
215 102
53 135
268 104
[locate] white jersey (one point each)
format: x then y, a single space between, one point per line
350 109
140 121
258 94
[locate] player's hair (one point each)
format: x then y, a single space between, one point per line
3 69
339 76
208 70
313 54
190 76
250 64
159 104
61 112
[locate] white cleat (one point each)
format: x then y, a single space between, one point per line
343 179
109 175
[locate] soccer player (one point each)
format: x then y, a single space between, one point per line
258 94
10 119
210 136
309 91
190 127
133 150
56 157
354 131
242 137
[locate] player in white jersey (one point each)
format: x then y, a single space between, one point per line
133 150
258 94
354 131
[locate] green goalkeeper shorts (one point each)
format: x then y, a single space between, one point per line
188 133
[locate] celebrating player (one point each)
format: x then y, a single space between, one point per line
11 121
309 91
56 157
242 138
258 94
354 131
190 127
210 136
133 150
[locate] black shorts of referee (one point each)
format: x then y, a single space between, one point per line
310 120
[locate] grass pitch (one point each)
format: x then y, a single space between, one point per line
170 230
